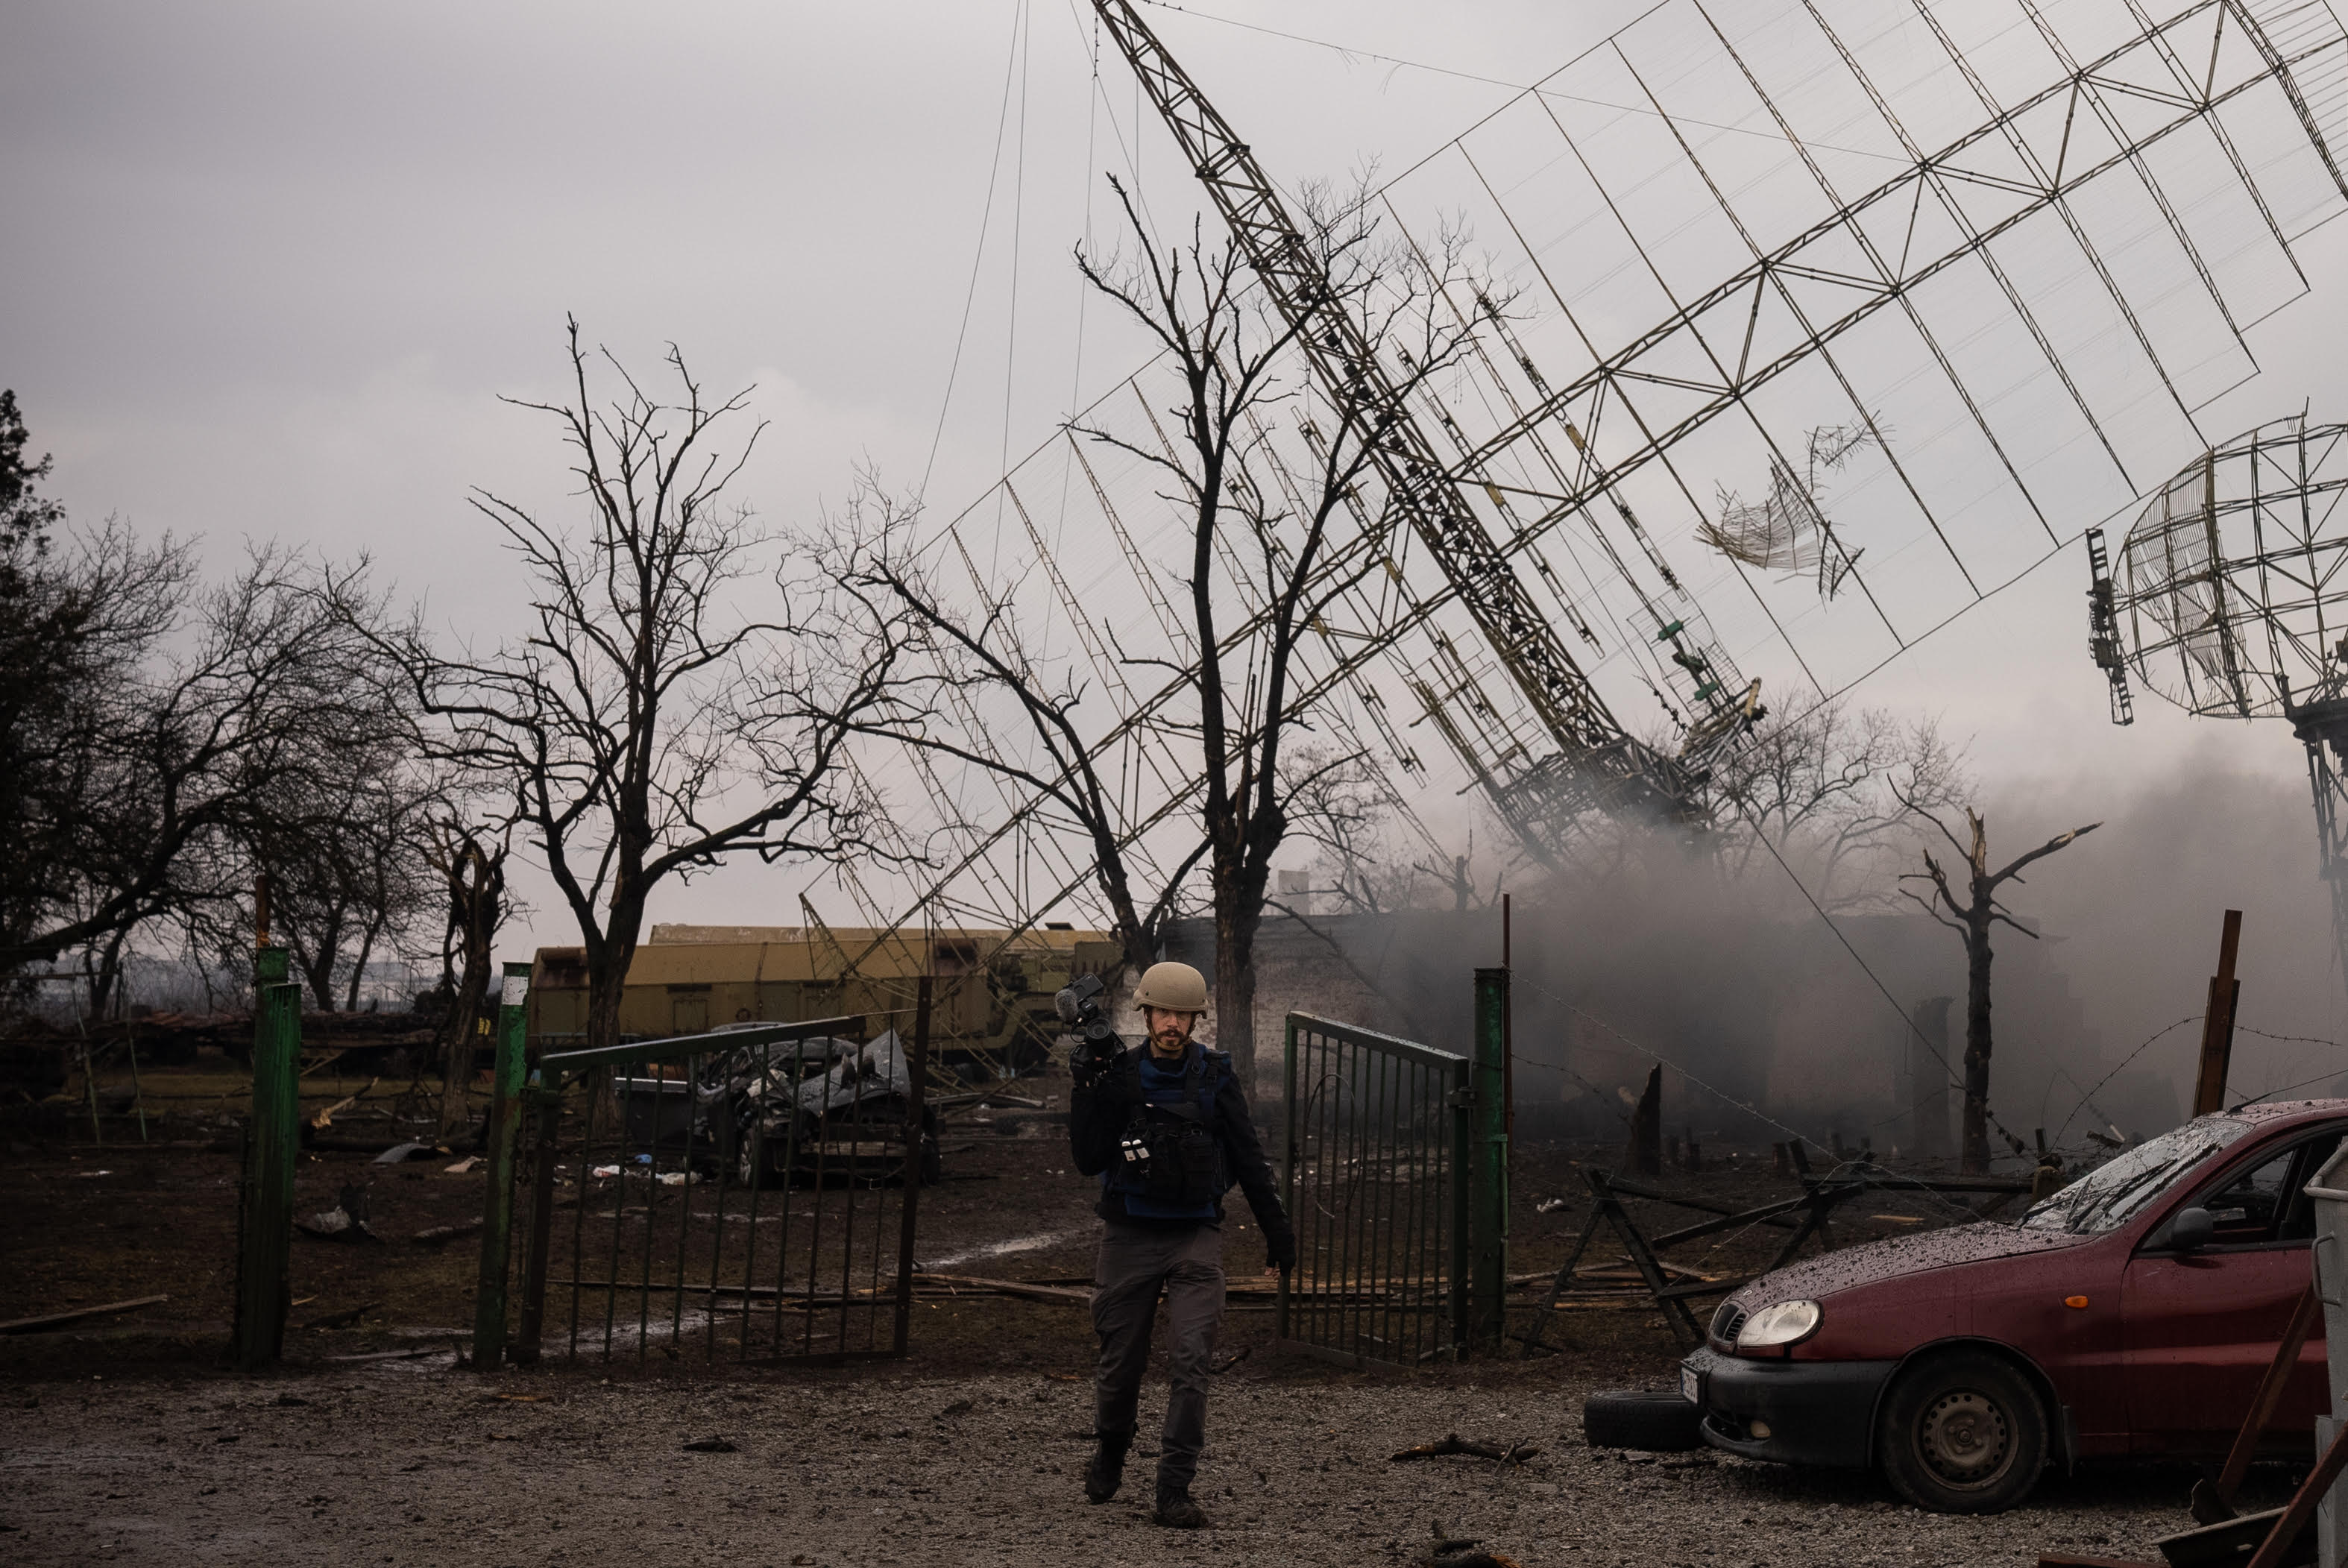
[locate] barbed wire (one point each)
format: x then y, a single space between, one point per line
2289 1040
2149 1040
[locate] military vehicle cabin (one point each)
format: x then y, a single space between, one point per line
991 1014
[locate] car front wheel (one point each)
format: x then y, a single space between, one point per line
1962 1432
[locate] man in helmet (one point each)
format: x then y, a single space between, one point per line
1167 1129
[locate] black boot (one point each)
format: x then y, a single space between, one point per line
1175 1510
1107 1472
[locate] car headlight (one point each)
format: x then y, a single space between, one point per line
1787 1322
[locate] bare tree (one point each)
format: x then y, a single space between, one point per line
1347 813
1266 518
346 847
870 552
647 726
1971 919
473 875
213 708
1837 791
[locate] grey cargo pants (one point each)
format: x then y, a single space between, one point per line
1136 1263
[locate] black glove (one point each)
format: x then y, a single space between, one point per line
1280 1250
1093 1069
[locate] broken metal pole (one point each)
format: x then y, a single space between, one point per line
2218 1022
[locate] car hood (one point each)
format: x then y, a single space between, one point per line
1817 1277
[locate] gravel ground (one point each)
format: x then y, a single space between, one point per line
398 1463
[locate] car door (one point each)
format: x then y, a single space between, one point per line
2200 1328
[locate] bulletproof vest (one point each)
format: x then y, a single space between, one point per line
1169 1153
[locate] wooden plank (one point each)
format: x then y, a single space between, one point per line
2218 1021
59 1319
1019 1288
2300 1513
1682 1323
1564 1277
2303 1319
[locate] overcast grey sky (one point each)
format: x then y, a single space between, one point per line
269 266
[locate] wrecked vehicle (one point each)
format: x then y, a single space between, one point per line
2132 1312
822 1110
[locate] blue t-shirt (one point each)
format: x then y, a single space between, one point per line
1162 1086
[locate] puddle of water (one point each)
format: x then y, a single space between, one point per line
1005 1249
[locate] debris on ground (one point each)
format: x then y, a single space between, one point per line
346 1222
437 1236
1514 1454
342 1319
49 1320
1448 1551
324 1116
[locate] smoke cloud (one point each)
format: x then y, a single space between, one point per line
1767 1022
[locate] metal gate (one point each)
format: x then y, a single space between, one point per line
1373 1172
748 1195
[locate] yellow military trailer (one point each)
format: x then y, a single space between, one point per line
991 1015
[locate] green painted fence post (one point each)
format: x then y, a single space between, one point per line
546 1099
1488 1165
497 1213
1460 1097
266 1209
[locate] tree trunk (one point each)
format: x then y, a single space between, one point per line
604 991
358 966
318 969
476 889
1977 1048
466 1010
1235 995
106 983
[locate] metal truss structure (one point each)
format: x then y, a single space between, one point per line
2016 245
2232 603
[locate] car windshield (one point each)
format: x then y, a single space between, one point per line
2106 1197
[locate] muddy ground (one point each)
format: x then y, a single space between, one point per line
125 1438
419 1464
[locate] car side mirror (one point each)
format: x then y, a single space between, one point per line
2191 1230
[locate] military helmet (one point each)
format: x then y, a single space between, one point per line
1174 987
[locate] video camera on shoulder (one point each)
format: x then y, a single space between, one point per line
1079 1007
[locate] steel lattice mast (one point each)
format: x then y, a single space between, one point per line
1599 762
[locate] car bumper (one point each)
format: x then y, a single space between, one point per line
1813 1412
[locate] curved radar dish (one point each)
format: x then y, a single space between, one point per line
2232 601
2231 595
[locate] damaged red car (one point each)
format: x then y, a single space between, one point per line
2131 1314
